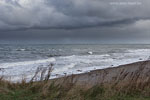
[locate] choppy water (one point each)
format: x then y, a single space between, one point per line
17 61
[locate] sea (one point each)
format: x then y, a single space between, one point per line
21 61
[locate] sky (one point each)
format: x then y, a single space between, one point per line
75 21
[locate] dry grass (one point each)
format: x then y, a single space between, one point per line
46 89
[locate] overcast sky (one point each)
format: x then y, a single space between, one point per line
75 21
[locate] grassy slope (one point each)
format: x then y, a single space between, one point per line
135 89
46 90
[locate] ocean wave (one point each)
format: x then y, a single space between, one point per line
26 63
64 69
75 64
139 50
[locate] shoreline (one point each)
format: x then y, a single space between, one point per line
77 60
123 73
84 77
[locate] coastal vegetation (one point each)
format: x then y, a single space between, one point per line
67 89
49 91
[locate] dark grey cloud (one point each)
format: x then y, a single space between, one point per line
66 14
67 21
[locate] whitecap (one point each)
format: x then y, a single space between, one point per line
26 63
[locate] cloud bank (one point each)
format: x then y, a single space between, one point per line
68 14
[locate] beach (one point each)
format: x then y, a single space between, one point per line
19 62
134 73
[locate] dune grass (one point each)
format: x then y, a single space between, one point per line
50 91
46 89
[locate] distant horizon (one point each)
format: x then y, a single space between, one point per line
76 43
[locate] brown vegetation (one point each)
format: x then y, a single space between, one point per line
128 82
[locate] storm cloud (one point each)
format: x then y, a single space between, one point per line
66 14
75 20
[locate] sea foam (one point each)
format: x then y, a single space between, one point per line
73 64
